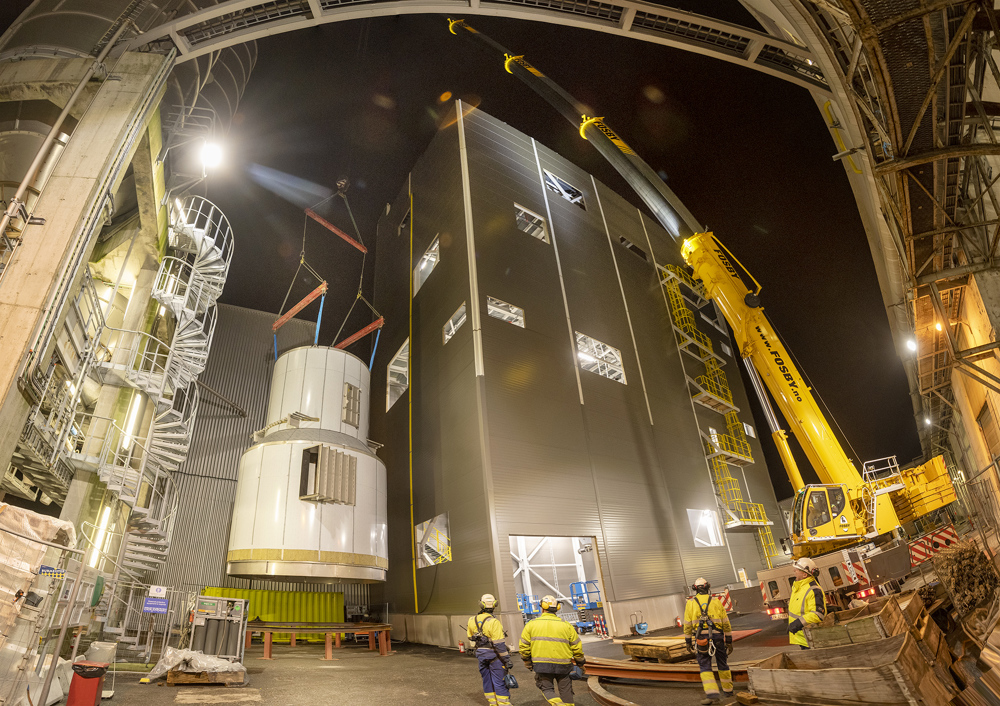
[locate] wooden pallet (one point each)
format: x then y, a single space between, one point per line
235 678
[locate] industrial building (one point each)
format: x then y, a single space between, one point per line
551 406
551 377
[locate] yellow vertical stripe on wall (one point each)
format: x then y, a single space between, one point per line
287 606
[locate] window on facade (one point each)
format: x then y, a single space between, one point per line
705 528
426 264
600 358
452 325
988 426
531 223
352 405
397 378
564 189
749 430
433 540
727 350
504 311
632 246
835 576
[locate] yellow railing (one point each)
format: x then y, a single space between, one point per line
714 381
684 276
683 318
766 540
441 543
729 445
735 442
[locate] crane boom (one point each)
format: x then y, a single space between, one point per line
756 340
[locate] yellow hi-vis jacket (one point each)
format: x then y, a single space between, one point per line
716 612
807 604
550 644
492 629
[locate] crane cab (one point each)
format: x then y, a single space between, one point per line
823 513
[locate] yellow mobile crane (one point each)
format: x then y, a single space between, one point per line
845 508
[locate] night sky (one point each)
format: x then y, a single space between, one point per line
748 154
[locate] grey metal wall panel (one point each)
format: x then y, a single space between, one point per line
239 367
559 468
447 467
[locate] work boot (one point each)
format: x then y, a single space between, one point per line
710 699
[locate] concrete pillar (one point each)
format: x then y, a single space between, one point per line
70 203
988 284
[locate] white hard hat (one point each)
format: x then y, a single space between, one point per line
807 565
488 601
550 603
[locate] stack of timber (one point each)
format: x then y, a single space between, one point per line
888 652
665 650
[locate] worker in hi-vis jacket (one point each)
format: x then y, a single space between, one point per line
488 636
807 606
549 647
708 634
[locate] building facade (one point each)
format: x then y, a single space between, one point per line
553 376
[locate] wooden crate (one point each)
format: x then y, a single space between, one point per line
879 619
175 677
891 672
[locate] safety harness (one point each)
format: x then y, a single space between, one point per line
705 645
480 638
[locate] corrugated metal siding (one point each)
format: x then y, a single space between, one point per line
239 367
560 469
288 607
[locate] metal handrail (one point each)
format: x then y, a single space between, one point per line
179 278
139 352
196 213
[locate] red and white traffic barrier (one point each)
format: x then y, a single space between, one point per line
925 547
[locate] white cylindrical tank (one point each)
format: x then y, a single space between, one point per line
311 494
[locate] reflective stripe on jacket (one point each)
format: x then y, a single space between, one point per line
807 604
551 644
715 611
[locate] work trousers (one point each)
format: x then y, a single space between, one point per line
549 683
705 666
492 671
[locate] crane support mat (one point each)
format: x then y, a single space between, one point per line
667 649
893 671
622 669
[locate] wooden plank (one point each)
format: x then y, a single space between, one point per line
175 677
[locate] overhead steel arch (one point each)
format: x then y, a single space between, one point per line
236 21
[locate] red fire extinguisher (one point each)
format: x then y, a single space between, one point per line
461 647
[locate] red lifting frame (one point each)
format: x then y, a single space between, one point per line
376 324
326 224
287 316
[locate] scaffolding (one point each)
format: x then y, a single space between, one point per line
711 390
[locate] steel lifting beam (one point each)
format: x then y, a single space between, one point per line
334 229
287 316
373 326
